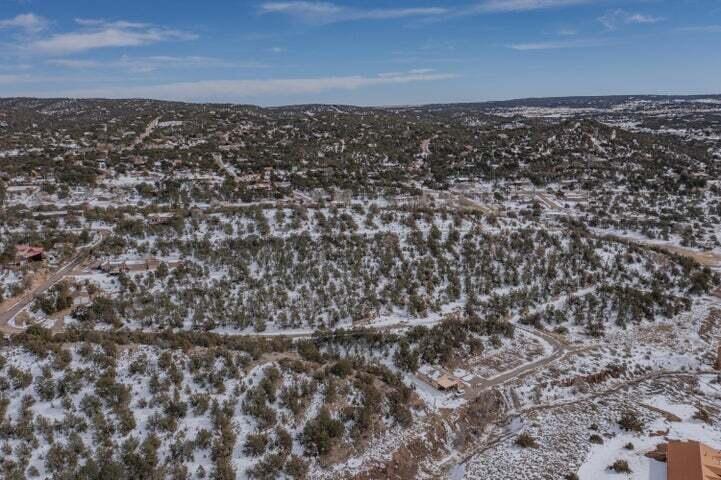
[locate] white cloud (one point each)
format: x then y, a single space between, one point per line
98 22
558 45
613 19
231 90
326 12
29 22
100 34
310 9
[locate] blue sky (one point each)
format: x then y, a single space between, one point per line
369 52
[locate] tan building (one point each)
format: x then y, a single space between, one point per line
692 461
445 383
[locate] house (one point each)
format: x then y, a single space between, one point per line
29 253
692 461
152 263
446 383
81 297
342 196
114 268
366 316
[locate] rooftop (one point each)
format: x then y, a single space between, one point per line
693 461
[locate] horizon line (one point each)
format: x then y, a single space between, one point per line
379 106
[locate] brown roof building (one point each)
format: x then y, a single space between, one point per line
446 382
693 461
29 253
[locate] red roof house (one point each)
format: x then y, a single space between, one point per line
29 253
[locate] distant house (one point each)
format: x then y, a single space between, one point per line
160 218
366 315
149 264
196 213
20 190
342 196
29 253
692 461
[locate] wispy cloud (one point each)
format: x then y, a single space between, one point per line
29 22
101 23
13 79
230 90
416 71
500 6
152 63
320 12
97 34
701 29
326 12
615 18
74 63
567 32
582 43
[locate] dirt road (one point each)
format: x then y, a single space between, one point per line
705 258
146 133
27 298
426 147
489 443
221 164
559 351
546 200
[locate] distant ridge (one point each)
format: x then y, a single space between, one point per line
600 101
